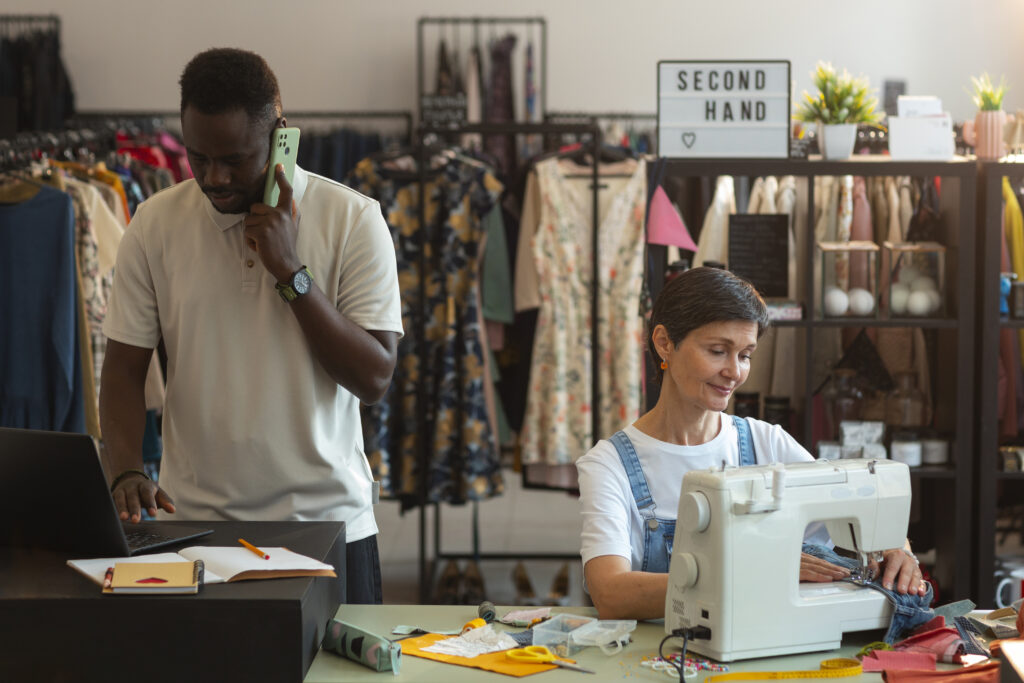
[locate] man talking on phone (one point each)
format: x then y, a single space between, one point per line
277 322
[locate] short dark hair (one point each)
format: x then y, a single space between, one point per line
225 79
700 296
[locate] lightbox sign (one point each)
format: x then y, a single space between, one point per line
723 109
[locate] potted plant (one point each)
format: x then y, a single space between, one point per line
990 119
841 102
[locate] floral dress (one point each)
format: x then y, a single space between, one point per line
557 427
435 412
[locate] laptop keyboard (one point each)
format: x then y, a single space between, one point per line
143 538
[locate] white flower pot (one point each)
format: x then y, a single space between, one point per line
836 139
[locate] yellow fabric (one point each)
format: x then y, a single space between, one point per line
830 668
494 661
1014 227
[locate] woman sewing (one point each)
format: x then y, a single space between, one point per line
703 330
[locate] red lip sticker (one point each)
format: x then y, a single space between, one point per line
151 579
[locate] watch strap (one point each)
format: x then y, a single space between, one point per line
288 292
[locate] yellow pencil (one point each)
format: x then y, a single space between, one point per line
254 549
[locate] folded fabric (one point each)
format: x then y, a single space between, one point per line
494 661
945 643
979 673
937 622
889 660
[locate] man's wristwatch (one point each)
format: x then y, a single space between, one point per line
298 284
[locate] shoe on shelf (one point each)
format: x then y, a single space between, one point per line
449 585
473 592
559 594
524 589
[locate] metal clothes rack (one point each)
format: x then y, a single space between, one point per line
381 114
598 117
423 425
23 22
476 22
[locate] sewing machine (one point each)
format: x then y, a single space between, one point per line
735 564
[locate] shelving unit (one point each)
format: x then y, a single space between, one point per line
988 474
942 494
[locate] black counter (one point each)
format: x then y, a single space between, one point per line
56 625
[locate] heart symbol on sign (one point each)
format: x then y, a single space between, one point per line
689 139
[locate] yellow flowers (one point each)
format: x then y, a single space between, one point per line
841 98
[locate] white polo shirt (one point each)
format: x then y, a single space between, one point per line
254 428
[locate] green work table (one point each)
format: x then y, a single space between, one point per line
380 619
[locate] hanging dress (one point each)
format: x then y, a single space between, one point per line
449 389
558 426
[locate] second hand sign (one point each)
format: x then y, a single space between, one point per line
709 110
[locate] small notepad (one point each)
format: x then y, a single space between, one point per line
156 577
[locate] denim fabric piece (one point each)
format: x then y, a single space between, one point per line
659 534
908 611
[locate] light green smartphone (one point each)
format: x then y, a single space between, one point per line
284 148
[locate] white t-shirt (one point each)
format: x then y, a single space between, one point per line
612 524
254 428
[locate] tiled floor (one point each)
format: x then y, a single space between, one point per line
521 520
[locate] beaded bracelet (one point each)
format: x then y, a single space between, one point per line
912 556
118 478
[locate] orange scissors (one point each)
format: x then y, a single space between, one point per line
538 654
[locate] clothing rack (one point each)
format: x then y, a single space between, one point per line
23 148
426 131
27 22
381 114
476 22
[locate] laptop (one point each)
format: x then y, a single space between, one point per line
54 496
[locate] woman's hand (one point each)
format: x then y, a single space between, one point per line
901 572
818 570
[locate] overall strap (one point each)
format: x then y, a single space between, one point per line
635 473
745 441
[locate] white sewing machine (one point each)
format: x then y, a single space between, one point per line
735 564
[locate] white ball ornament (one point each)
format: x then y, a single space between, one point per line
936 300
861 301
919 303
898 296
922 284
836 301
908 274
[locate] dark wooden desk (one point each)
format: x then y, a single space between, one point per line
56 625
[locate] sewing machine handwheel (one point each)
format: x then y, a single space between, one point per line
697 511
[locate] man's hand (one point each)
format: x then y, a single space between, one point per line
818 570
901 572
270 231
134 492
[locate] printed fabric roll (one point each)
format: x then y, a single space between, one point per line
369 649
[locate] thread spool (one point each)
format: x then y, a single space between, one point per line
486 611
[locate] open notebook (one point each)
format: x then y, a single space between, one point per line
223 564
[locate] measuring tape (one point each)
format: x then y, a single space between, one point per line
830 668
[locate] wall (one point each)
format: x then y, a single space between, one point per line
358 54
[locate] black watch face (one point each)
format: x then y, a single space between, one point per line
301 282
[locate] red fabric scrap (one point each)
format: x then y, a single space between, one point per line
891 660
979 673
945 643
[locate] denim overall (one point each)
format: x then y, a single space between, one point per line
660 533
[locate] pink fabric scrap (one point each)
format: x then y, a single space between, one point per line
664 224
892 660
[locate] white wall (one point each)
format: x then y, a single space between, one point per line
359 54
